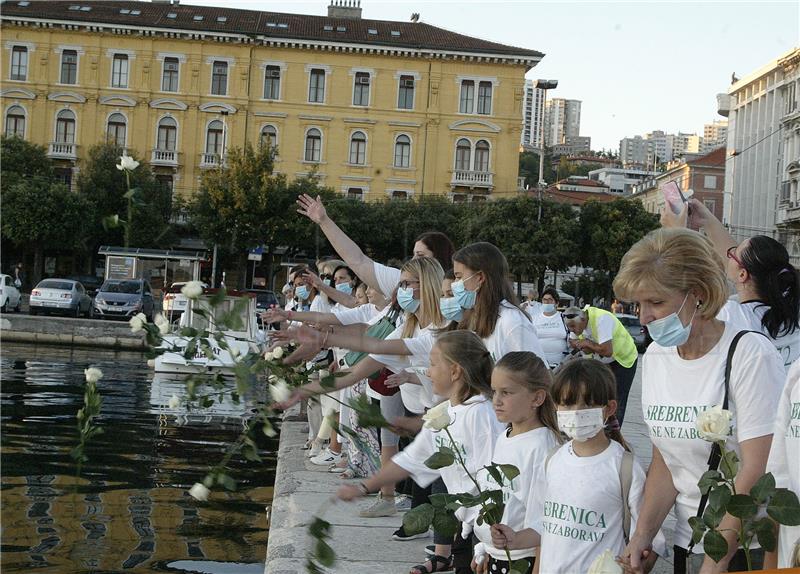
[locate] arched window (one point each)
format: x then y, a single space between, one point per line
358 148
313 145
214 135
482 156
402 151
115 133
463 153
269 136
15 122
167 134
65 126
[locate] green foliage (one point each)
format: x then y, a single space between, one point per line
23 160
442 458
529 168
418 519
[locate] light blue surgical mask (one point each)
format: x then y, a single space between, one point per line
301 292
405 298
548 307
669 331
345 288
450 309
465 297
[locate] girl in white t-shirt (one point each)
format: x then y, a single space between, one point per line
521 396
460 368
575 510
550 328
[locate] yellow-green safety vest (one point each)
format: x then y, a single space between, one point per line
624 349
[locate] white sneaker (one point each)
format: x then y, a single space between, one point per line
316 448
381 507
326 458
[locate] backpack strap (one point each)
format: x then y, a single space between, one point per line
625 481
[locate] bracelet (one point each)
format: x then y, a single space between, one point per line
362 486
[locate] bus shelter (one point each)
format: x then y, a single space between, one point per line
161 267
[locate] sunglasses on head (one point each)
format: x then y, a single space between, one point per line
571 316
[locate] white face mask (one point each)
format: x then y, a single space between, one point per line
581 425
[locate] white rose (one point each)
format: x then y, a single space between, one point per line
174 402
93 374
126 162
280 391
268 356
323 373
270 431
137 322
277 353
605 564
192 290
151 363
162 323
272 378
714 424
437 418
200 492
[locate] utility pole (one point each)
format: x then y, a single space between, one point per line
543 85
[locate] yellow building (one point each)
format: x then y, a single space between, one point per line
380 109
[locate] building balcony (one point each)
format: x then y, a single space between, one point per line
63 150
211 160
788 213
164 157
472 179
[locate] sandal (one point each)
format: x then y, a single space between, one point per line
438 564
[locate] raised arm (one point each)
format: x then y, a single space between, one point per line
347 249
338 337
700 217
331 292
278 315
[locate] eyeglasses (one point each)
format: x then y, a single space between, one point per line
407 284
731 253
571 316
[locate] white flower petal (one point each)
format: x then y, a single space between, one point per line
199 491
174 402
93 374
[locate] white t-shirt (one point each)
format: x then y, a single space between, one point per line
532 307
552 335
675 391
577 508
748 316
368 314
387 278
526 451
605 332
784 456
320 304
475 429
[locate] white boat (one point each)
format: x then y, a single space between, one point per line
249 338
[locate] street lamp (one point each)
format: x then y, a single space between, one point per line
543 85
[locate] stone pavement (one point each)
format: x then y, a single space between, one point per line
364 546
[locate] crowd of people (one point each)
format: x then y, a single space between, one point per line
545 390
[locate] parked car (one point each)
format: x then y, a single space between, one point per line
10 297
174 303
264 300
122 299
637 331
60 295
90 282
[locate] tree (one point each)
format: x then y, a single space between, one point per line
23 160
104 186
529 167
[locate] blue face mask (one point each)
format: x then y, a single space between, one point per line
466 298
548 307
345 288
405 298
450 309
669 331
301 292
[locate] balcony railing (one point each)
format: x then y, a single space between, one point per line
208 160
472 179
788 212
164 157
62 150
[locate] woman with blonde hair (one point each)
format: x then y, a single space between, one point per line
678 281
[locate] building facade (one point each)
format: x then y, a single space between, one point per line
715 135
562 118
532 116
635 152
620 180
377 109
787 218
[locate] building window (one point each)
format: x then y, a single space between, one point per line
219 79
313 145
399 195
214 135
166 182
402 151
711 204
463 153
355 193
272 83
361 89
467 100
69 67
119 71
485 98
64 175
15 122
169 78
482 156
405 93
116 130
65 126
167 134
710 182
316 86
358 148
19 63
269 136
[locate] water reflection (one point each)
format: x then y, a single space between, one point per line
130 509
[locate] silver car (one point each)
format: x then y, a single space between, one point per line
122 299
62 296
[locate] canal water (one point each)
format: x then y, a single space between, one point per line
129 510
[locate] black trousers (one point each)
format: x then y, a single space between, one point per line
624 382
462 553
500 566
737 564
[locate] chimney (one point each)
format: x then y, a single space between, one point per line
345 9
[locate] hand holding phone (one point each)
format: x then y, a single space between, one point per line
674 197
